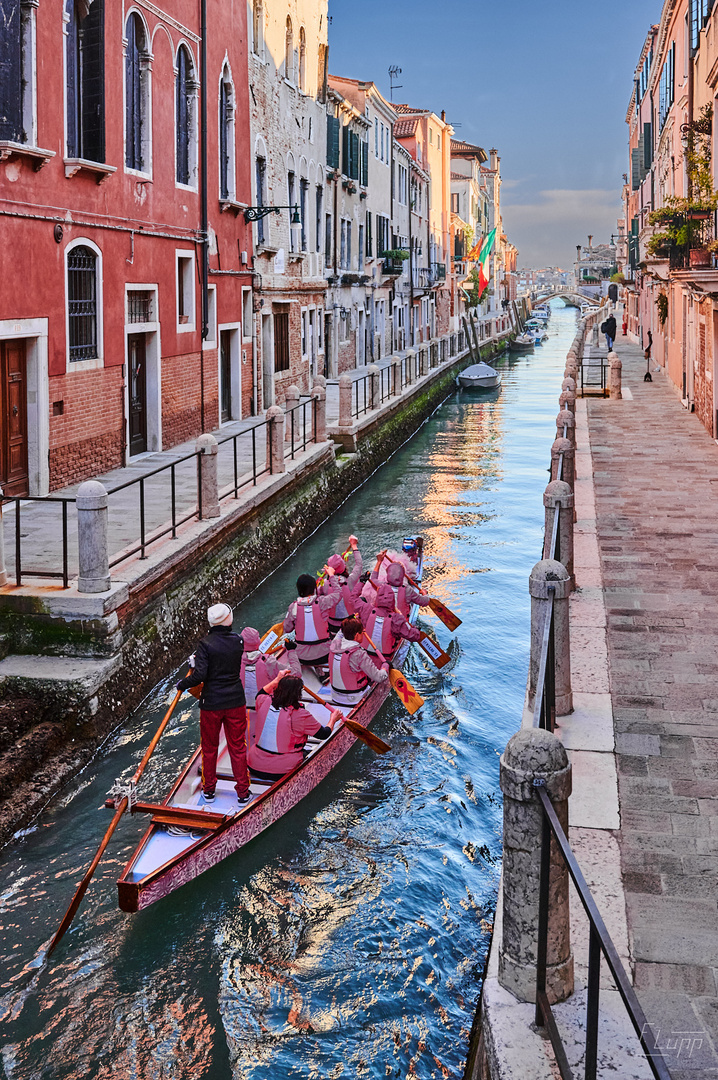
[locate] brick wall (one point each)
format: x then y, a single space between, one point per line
181 398
86 438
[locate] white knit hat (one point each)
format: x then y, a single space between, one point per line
219 615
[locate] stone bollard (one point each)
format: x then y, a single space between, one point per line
423 366
558 497
3 572
396 385
374 386
569 384
567 400
319 380
563 447
291 400
566 419
411 363
534 754
319 395
614 377
346 384
92 550
206 447
275 439
551 575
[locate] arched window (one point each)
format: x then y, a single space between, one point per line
186 119
258 27
85 80
82 303
136 95
226 136
289 51
302 60
17 66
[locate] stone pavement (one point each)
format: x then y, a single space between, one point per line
656 488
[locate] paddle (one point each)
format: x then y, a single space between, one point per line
410 698
82 887
432 648
377 745
270 638
321 577
447 616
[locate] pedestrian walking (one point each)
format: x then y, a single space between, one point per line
609 329
218 665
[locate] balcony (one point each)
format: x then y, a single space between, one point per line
393 266
422 277
438 272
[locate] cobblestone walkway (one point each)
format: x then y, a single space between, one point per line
656 483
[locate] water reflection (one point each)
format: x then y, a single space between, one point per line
350 938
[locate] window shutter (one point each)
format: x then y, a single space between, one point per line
635 170
333 125
641 160
223 141
10 72
354 151
365 164
182 119
92 76
369 238
345 151
647 145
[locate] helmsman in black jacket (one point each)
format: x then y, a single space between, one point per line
218 662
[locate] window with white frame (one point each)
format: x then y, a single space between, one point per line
302 60
258 27
247 314
289 50
186 87
402 184
137 96
376 137
226 136
304 321
292 194
84 295
18 106
320 330
360 248
85 80
185 291
210 342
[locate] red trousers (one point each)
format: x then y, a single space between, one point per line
235 731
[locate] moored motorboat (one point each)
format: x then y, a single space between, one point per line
479 377
523 343
183 839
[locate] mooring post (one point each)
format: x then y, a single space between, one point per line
319 396
411 363
569 383
93 554
531 755
275 439
563 451
565 420
615 369
3 571
374 386
207 448
291 400
567 400
396 375
550 578
558 499
345 400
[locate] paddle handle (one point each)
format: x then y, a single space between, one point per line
375 648
319 699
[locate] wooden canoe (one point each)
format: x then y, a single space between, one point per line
176 848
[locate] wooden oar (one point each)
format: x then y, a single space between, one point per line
82 887
432 648
410 698
447 616
377 745
270 638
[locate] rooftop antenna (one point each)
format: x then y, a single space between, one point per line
394 72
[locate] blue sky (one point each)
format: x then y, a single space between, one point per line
546 82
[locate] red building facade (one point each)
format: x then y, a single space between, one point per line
118 334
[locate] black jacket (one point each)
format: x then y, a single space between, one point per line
218 662
611 327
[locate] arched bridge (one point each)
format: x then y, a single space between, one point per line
570 296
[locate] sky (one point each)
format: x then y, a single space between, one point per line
547 83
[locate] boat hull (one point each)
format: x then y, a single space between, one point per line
480 384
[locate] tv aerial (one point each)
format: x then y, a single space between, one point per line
394 73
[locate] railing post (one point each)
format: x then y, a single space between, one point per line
291 400
3 572
396 375
345 400
549 577
319 395
534 754
558 499
92 546
374 386
567 420
275 439
208 494
411 364
563 448
615 367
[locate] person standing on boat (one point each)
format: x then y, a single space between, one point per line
344 586
351 668
283 726
258 668
217 665
404 593
308 616
383 623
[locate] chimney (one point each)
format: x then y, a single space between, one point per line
494 159
443 116
590 238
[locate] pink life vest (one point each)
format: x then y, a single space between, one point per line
378 628
274 730
347 685
400 601
344 606
254 675
310 626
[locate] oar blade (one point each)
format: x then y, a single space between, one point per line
434 651
373 741
450 621
409 697
271 637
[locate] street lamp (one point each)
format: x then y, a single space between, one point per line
256 213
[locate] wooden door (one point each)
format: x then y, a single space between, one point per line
13 418
225 375
138 393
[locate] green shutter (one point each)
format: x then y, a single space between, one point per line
635 170
345 151
333 125
354 155
365 164
647 145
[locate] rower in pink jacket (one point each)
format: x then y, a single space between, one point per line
405 594
350 667
344 586
383 623
258 669
308 616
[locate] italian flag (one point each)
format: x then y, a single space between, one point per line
486 250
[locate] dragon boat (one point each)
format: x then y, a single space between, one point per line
183 839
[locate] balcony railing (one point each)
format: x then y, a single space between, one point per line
390 265
438 271
422 277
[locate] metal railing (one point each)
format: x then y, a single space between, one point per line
386 378
599 943
298 421
361 396
23 572
244 479
594 378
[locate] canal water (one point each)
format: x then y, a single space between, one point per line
349 940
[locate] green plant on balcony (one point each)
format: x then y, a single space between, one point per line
662 305
395 253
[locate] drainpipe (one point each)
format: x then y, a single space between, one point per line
204 225
255 358
411 269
